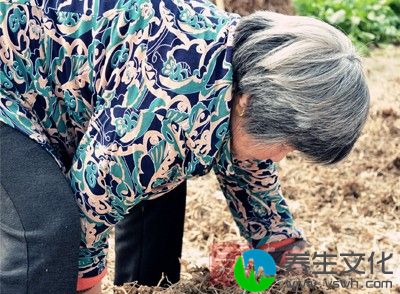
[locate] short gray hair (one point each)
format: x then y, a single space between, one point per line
305 82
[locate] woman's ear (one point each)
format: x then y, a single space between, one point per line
242 101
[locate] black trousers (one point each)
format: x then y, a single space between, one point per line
39 220
148 242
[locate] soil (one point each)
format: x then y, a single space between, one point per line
246 7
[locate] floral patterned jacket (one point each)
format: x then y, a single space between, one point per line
131 97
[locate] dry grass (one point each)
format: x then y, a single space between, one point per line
352 207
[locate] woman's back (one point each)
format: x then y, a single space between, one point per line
68 61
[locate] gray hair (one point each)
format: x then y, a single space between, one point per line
305 82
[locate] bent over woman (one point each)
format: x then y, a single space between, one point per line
131 98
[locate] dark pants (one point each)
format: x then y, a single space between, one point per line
39 220
149 240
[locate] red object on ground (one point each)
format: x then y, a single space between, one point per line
222 260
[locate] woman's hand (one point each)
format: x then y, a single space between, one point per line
96 289
280 250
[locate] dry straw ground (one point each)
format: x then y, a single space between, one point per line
351 207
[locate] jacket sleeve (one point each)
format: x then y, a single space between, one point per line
253 193
112 171
105 190
88 176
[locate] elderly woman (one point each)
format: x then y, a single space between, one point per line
131 98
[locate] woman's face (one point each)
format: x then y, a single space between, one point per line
244 146
247 148
275 152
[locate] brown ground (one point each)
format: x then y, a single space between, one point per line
245 7
351 207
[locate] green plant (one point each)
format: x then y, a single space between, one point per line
367 22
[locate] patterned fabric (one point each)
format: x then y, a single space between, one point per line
131 98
